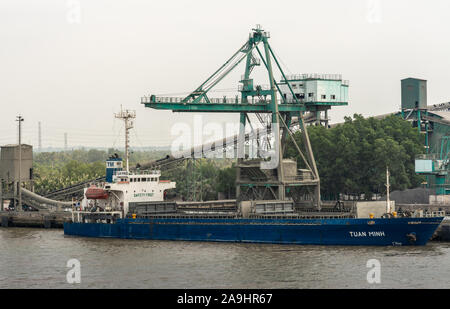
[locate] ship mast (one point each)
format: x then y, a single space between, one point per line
388 188
127 116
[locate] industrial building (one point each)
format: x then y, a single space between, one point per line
16 182
14 171
434 123
324 90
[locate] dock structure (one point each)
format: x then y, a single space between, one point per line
17 183
16 172
39 219
19 205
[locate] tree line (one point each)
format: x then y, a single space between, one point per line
57 170
351 158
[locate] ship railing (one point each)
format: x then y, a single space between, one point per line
223 100
148 172
434 214
80 216
121 173
188 216
137 172
255 87
313 76
430 156
235 100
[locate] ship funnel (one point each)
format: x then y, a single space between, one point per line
113 164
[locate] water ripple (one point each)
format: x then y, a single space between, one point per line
36 258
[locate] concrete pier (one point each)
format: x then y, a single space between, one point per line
40 219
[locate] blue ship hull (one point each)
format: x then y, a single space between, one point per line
362 232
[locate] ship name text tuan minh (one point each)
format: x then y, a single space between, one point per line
367 234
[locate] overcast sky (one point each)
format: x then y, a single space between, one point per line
70 64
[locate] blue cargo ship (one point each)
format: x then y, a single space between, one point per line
364 232
131 206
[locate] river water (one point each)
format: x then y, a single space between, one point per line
37 258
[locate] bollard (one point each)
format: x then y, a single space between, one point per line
5 221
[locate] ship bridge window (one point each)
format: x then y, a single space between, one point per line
333 97
324 96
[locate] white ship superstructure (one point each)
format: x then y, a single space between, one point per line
125 189
140 187
122 187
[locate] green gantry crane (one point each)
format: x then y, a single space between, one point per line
436 164
270 177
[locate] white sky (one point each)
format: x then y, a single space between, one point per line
73 74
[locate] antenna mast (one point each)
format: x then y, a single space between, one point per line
127 116
19 189
388 188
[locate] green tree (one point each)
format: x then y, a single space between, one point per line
352 157
226 182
